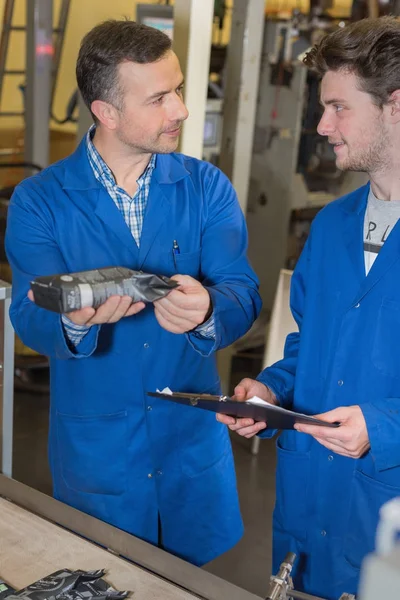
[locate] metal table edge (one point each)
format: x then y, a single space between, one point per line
170 568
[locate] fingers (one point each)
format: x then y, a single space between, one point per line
240 393
81 317
186 298
173 323
226 419
247 427
135 308
185 280
244 427
114 309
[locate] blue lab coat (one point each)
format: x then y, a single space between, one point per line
347 353
115 452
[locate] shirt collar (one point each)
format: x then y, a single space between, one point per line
101 168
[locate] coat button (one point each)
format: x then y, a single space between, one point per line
323 533
149 407
150 475
330 457
340 382
357 305
146 345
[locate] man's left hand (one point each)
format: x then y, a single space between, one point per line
185 307
350 439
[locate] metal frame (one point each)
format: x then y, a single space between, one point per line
193 22
39 67
4 39
6 380
242 73
169 567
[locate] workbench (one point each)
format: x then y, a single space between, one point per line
39 535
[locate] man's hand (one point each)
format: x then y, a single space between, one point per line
113 309
185 307
246 389
350 439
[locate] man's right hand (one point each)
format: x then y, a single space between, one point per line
245 390
113 309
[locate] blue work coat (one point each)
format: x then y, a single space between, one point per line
115 452
346 353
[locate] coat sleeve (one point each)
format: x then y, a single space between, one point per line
382 418
225 269
32 250
280 377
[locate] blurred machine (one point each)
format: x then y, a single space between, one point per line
291 167
38 79
161 16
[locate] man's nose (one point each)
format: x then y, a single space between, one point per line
326 125
179 111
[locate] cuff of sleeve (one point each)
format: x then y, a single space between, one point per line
207 329
75 333
80 339
383 425
273 385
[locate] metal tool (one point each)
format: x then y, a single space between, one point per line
282 582
281 586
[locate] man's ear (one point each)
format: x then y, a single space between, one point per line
106 113
394 106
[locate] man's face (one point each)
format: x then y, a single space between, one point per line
153 110
354 124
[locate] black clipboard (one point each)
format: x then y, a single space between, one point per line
276 417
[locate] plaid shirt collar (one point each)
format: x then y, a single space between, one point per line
103 172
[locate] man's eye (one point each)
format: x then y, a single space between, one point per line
158 100
180 90
338 108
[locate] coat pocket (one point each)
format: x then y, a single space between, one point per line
188 263
291 512
367 496
93 452
384 355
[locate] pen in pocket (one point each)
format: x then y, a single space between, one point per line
175 251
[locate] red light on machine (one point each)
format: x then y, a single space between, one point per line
44 50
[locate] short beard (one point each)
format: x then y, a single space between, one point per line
373 158
154 147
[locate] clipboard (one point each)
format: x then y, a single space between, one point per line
276 417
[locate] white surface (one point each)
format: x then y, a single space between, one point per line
31 548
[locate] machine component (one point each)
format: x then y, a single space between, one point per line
282 582
281 586
73 291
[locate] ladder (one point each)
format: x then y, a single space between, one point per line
58 41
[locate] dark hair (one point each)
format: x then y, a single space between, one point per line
369 48
105 47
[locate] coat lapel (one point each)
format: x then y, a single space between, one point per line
354 244
157 209
353 235
108 212
387 257
170 168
